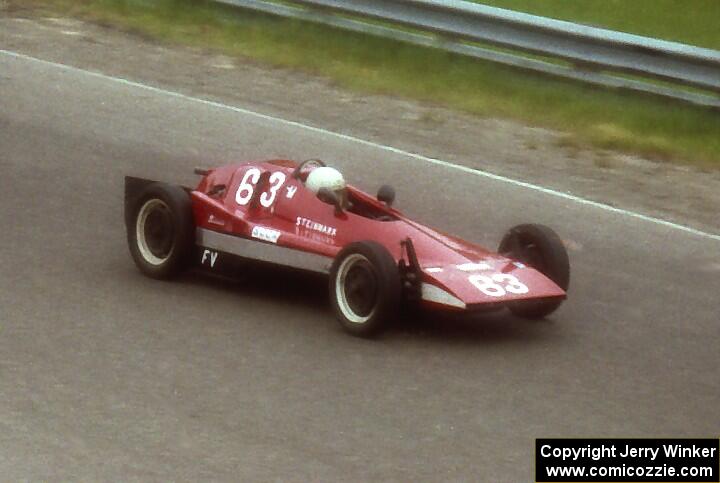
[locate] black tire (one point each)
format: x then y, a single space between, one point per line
365 288
161 230
541 248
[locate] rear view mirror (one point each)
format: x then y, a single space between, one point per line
328 196
386 194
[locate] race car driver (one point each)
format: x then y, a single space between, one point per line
331 179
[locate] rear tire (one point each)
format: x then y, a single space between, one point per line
160 230
539 247
365 288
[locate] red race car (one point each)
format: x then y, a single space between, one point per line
304 216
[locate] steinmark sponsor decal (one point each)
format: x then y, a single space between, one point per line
315 226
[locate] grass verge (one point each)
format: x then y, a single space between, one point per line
688 21
656 128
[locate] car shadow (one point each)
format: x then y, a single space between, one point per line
272 284
486 328
302 289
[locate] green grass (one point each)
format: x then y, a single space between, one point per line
653 127
694 22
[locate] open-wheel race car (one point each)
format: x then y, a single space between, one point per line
304 216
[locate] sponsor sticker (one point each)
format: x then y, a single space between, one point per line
315 226
212 219
265 234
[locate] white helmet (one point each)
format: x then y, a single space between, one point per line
325 177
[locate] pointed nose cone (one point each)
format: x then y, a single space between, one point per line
489 281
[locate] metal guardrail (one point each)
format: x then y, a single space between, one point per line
588 54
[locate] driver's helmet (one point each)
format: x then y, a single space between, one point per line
330 178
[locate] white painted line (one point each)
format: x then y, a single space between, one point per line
420 157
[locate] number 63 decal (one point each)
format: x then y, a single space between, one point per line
247 187
498 284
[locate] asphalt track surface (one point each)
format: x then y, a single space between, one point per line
107 375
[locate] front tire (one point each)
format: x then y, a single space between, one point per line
365 288
160 230
539 247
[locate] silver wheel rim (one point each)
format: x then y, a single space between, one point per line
140 232
340 289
